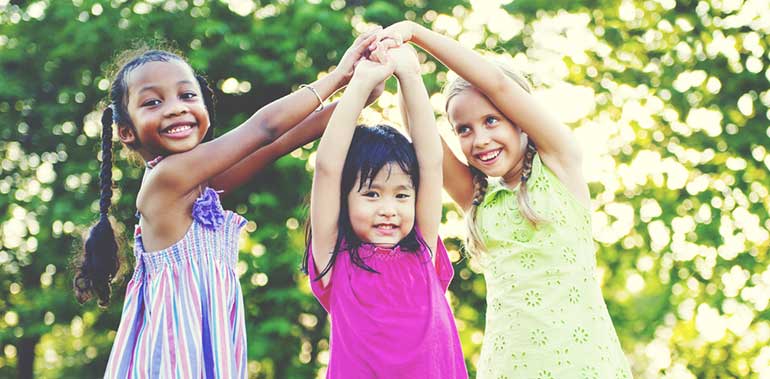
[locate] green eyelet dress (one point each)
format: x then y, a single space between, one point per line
546 317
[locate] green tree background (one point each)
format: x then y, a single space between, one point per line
669 100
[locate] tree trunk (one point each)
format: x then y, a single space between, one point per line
25 348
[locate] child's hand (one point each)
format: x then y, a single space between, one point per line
405 58
371 73
356 51
401 32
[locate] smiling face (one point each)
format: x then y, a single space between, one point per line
166 109
490 142
382 213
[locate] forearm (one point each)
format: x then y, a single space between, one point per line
467 63
335 142
421 121
306 131
282 114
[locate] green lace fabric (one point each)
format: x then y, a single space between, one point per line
546 317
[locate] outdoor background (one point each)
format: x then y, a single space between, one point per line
668 99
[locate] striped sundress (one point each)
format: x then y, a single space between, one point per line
183 311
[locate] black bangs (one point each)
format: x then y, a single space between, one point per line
371 150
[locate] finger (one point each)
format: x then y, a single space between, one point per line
374 56
365 43
380 52
368 33
383 35
390 43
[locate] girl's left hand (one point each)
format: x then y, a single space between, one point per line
359 49
406 60
371 73
401 32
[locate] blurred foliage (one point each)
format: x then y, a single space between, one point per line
669 100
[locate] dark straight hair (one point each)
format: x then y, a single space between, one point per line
372 149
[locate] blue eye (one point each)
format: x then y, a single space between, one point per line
462 129
491 120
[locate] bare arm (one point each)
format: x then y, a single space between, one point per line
458 180
183 172
554 140
330 158
426 140
306 131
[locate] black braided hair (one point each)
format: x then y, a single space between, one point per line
119 89
209 101
100 261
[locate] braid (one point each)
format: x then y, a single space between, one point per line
473 242
523 196
529 157
105 174
99 262
210 101
479 186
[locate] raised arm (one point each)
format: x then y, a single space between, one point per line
426 140
458 180
330 159
183 172
306 131
554 140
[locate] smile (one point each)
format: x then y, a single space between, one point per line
386 229
489 156
176 129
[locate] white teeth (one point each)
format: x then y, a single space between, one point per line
490 155
178 129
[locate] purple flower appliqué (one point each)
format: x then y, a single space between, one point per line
208 211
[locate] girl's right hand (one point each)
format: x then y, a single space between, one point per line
370 73
358 50
401 32
405 58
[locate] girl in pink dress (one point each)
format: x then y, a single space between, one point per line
375 260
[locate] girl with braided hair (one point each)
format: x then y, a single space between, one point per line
529 223
183 312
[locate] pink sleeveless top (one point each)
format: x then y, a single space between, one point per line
393 324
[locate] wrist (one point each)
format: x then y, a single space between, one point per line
409 75
416 32
361 85
337 78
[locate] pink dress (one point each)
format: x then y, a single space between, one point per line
395 324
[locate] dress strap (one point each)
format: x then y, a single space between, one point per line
154 162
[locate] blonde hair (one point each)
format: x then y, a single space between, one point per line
474 243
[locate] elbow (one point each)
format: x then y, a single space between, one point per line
267 132
324 168
432 162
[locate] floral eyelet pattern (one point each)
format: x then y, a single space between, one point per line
541 286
